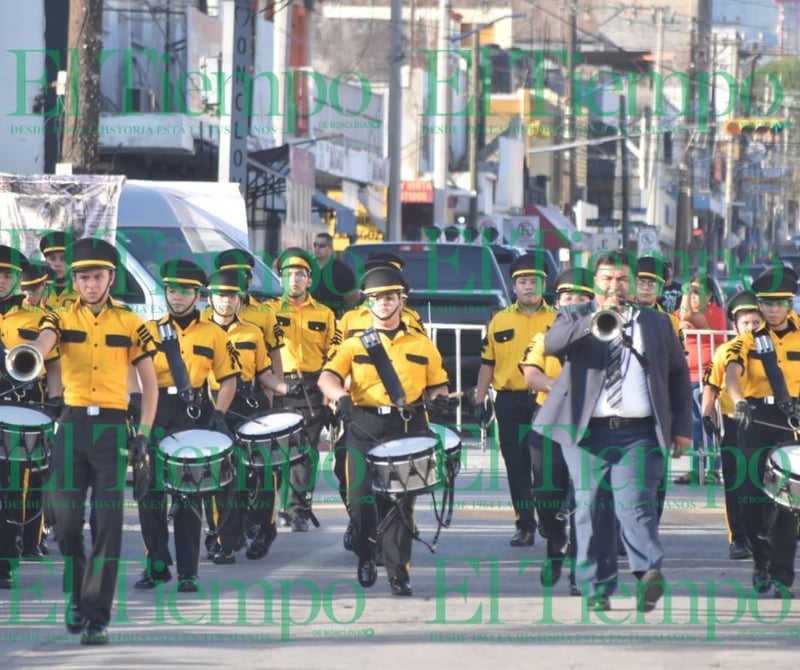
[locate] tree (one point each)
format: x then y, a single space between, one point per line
79 144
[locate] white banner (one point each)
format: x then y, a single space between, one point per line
32 205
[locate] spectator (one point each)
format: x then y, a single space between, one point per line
670 297
336 287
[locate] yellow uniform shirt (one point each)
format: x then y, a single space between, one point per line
259 314
534 355
307 334
355 321
96 350
414 357
715 377
251 352
21 324
754 383
509 333
204 349
63 299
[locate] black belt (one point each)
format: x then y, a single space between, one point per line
385 410
95 411
619 422
310 376
767 401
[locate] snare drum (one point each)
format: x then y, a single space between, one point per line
196 460
451 441
26 436
273 439
409 464
782 476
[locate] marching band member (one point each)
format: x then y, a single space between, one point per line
745 314
227 289
308 328
53 246
509 333
761 363
552 493
97 338
370 416
203 349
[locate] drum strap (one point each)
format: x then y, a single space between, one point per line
177 366
383 366
769 359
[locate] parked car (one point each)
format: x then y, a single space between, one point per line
456 288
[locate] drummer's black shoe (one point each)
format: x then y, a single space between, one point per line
260 545
522 538
781 591
188 583
212 546
149 580
44 548
95 633
299 524
223 557
367 572
761 580
739 550
32 554
401 586
574 589
349 539
74 620
285 519
551 571
6 576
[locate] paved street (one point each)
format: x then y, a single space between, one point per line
476 602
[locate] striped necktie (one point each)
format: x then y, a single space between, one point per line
614 373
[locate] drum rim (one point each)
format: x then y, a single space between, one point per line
420 452
4 423
174 432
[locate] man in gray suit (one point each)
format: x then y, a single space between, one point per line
621 401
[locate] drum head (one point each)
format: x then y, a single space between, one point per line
450 438
18 415
279 423
195 443
403 446
787 459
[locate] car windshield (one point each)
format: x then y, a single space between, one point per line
438 267
153 246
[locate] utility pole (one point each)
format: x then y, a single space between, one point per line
441 140
394 224
79 143
654 172
472 126
731 146
568 171
623 168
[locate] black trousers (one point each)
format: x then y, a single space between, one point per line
729 450
514 411
368 509
297 490
186 509
90 452
771 529
553 496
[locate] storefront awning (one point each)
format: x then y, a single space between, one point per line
345 217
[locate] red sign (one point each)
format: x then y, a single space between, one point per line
416 192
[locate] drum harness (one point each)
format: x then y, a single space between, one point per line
391 382
769 359
177 368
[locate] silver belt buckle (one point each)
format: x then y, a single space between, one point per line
615 422
384 410
172 390
769 400
93 411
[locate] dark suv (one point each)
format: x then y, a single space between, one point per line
456 288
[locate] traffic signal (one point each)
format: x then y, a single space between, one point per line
749 126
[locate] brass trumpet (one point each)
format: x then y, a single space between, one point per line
606 325
24 362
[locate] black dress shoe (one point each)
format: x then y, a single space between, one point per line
223 557
761 580
299 525
32 554
188 583
349 538
650 590
522 538
739 550
599 602
574 589
367 572
148 580
781 592
6 578
212 546
551 571
44 548
73 619
400 586
260 545
95 633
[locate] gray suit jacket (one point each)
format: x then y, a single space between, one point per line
564 417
